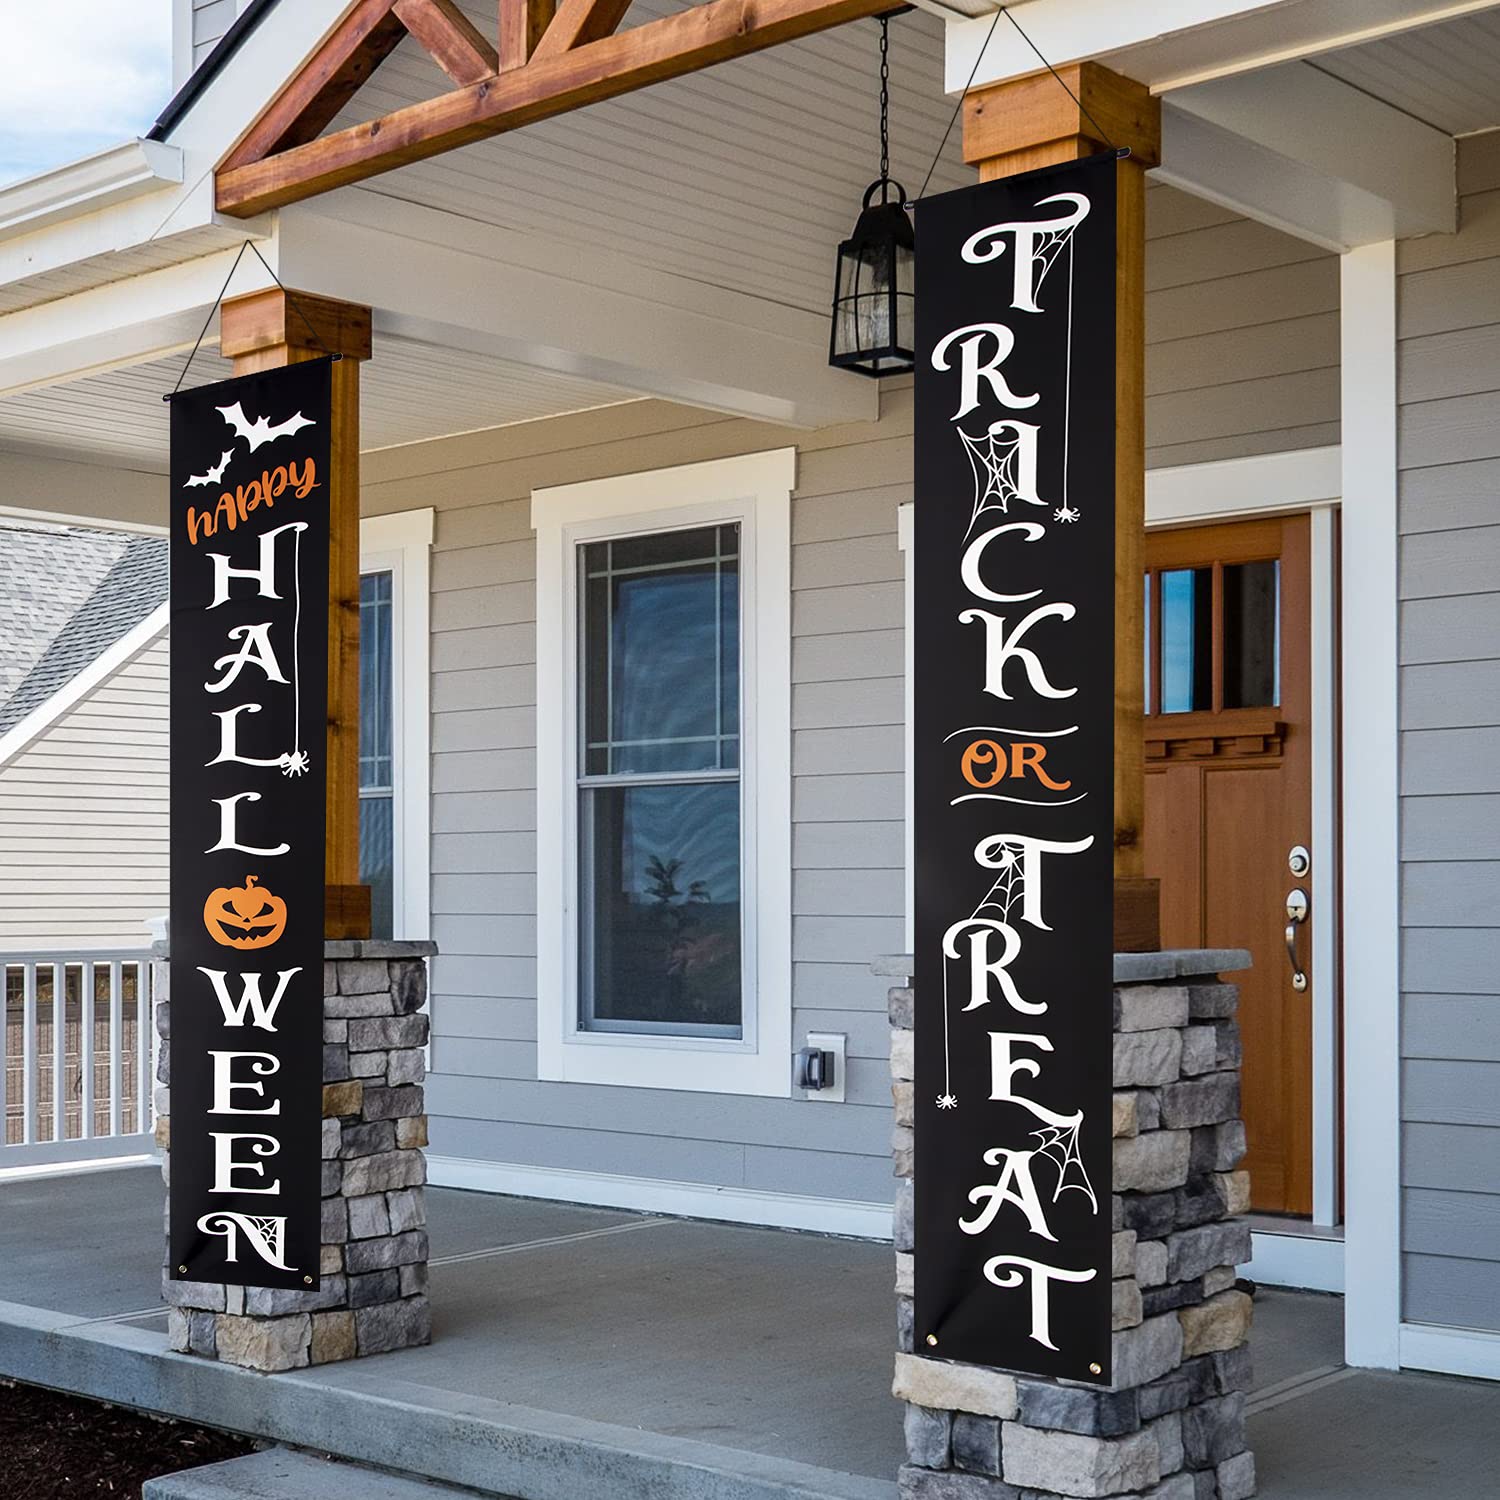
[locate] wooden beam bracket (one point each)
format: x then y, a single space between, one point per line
450 39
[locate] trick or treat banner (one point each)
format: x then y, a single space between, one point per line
249 578
1014 802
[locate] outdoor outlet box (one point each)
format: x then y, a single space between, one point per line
830 1065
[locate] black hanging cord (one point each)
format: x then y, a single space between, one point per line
953 120
885 100
1053 71
203 333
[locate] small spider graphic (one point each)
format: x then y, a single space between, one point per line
1065 513
295 763
947 1101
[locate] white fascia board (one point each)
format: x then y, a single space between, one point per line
179 221
126 649
106 177
121 323
1385 175
1172 43
447 280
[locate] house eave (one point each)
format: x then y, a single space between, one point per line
107 177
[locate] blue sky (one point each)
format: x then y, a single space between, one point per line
79 75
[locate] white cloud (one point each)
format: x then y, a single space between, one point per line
77 76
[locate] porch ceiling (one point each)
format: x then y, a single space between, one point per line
1446 75
744 176
410 391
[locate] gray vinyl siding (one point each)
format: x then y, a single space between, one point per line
1242 335
211 19
484 1097
1449 329
83 820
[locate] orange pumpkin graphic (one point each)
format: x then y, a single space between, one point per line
244 916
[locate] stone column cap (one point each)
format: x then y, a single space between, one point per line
1130 968
353 948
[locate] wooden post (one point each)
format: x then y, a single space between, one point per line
264 331
1032 122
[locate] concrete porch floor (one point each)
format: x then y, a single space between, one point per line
581 1352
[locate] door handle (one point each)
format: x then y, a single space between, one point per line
1296 914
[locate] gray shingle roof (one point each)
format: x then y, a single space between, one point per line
67 594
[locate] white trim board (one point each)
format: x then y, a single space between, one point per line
688 1200
1232 488
1450 1351
1312 1263
1371 916
121 653
401 543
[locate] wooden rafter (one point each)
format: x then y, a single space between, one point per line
341 66
580 21
522 25
448 34
558 78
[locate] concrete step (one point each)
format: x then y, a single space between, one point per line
279 1474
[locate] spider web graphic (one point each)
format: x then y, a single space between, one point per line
995 459
1001 898
1048 245
1009 885
269 1231
1059 1144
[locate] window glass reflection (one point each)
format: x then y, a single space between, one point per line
1252 634
1187 682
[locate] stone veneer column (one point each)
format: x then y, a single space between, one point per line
373 1296
1172 1425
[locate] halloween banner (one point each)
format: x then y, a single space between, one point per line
249 581
1013 734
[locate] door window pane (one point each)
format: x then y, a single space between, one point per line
661 927
1252 634
376 714
1186 640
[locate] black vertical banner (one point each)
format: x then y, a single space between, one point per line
1014 752
249 691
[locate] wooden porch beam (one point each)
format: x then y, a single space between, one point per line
579 22
325 84
670 47
523 23
451 39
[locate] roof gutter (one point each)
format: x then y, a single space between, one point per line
107 177
203 75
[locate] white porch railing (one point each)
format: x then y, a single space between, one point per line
79 1055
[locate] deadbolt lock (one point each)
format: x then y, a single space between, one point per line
1299 861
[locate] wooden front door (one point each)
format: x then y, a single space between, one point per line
1228 798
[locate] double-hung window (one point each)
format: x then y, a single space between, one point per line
664 778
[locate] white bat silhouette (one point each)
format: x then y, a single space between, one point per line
213 476
260 432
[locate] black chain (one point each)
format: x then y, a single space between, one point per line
885 98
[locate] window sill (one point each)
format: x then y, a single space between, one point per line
708 1065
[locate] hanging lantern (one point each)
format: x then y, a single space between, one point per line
873 328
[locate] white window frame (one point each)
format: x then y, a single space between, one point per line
755 491
401 545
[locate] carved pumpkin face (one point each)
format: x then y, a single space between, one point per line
244 916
